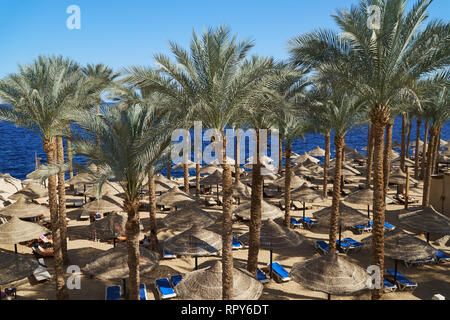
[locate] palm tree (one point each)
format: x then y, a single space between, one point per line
41 95
211 79
133 137
379 64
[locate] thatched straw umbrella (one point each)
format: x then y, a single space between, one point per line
241 191
331 274
190 164
400 245
110 227
174 198
362 197
213 179
206 284
398 177
196 242
427 220
306 195
15 231
23 208
9 184
82 178
107 188
188 217
348 217
268 211
317 152
106 204
274 236
396 144
31 191
296 181
301 170
304 157
15 267
216 162
210 169
345 171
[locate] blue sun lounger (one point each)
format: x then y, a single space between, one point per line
295 223
176 279
164 288
236 244
280 273
322 247
361 228
143 292
402 282
261 276
307 222
345 247
418 261
441 257
168 255
387 226
353 243
389 286
113 293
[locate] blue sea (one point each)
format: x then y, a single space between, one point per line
20 146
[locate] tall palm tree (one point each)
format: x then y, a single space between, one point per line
379 64
41 95
211 78
133 137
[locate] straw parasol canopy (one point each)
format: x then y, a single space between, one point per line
31 191
317 152
82 178
268 211
426 220
190 165
206 284
397 161
263 159
354 155
296 181
174 197
274 236
112 264
15 231
301 170
195 241
348 216
332 274
215 178
188 217
107 188
307 195
159 178
399 177
304 157
230 161
105 204
363 197
24 209
400 245
346 170
15 267
110 227
241 190
396 144
210 169
9 184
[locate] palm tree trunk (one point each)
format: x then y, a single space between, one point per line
424 151
416 154
402 143
429 168
49 146
186 178
280 158
237 154
227 228
197 180
370 148
69 154
152 200
169 164
287 186
132 234
339 143
255 213
437 145
408 139
379 117
326 164
62 200
387 157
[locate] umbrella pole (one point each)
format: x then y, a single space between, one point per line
15 248
368 211
340 228
124 281
329 296
114 242
395 274
196 262
271 272
84 188
428 237
304 210
217 192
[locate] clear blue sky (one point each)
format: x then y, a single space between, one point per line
121 33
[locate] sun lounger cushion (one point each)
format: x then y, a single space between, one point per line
280 271
168 255
295 223
41 274
261 276
142 292
440 256
236 244
402 281
388 286
344 245
165 289
176 279
113 292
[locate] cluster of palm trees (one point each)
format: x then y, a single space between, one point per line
333 82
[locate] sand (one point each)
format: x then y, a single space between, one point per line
431 278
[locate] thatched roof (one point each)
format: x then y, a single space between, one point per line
304 157
268 211
296 181
346 170
347 216
212 179
275 236
317 152
82 178
332 274
306 194
427 220
111 226
31 191
210 169
16 230
15 267
107 188
187 217
190 165
399 177
9 184
106 204
23 208
241 190
174 197
302 170
403 246
364 196
206 284
112 264
195 241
